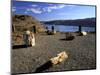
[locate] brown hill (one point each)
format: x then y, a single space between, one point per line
22 22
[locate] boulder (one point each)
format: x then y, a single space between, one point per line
83 33
69 36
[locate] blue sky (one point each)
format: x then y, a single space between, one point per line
51 11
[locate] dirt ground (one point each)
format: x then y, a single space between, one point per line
81 52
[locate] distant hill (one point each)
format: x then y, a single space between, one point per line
82 22
22 22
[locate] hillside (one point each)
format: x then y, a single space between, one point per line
82 22
23 22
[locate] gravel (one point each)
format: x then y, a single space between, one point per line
81 52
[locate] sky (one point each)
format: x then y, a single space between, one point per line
51 11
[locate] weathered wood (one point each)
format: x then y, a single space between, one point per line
34 29
13 28
80 29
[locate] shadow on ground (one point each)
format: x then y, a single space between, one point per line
39 69
44 67
19 46
66 39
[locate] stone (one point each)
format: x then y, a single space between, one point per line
61 57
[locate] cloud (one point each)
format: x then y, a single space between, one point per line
57 6
71 6
34 10
34 5
53 7
40 9
46 10
49 10
13 9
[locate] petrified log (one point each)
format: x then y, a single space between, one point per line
69 36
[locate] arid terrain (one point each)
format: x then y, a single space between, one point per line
81 52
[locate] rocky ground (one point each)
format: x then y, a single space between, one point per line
81 52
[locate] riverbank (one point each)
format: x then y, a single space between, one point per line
81 52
